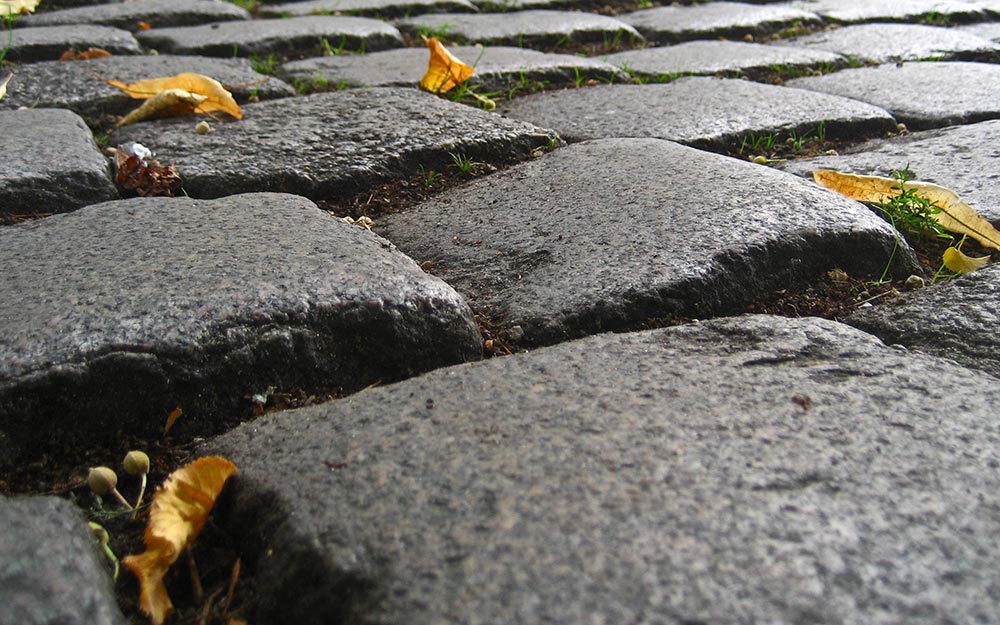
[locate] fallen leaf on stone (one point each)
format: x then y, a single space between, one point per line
169 103
179 511
136 171
955 216
90 53
3 85
17 7
217 98
444 71
959 262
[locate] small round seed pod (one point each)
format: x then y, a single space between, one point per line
136 463
102 480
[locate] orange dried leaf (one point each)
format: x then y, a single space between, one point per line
17 7
169 103
444 71
172 418
90 53
179 511
217 98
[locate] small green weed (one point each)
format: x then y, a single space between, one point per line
436 32
264 64
911 212
428 176
8 21
464 164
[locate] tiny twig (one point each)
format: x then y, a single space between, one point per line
232 588
196 589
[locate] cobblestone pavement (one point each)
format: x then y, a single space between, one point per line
648 454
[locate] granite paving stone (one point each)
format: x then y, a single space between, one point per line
853 11
714 57
129 15
49 163
47 43
670 24
51 571
497 67
921 95
700 111
890 43
954 319
300 35
118 313
382 8
524 28
986 30
606 235
76 85
962 158
333 144
747 470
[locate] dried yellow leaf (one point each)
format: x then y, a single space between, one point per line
959 262
179 511
955 216
169 103
444 71
17 7
217 98
3 85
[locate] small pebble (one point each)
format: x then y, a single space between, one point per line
203 128
915 282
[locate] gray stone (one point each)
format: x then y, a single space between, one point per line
383 8
749 470
889 43
962 158
894 10
954 319
497 67
700 111
47 43
669 24
128 15
989 30
49 163
713 57
606 235
298 35
75 86
51 570
120 312
525 28
332 144
921 95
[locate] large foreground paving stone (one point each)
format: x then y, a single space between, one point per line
330 144
606 235
748 470
74 85
670 24
890 43
705 112
129 15
301 35
49 163
712 57
497 67
921 95
48 43
51 571
956 319
525 28
116 314
962 158
382 8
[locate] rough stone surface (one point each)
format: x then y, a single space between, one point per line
51 571
47 43
889 43
128 15
700 111
304 35
962 158
382 8
921 95
748 470
657 230
118 313
989 30
74 86
895 10
61 171
497 67
712 57
669 24
525 28
956 319
331 144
